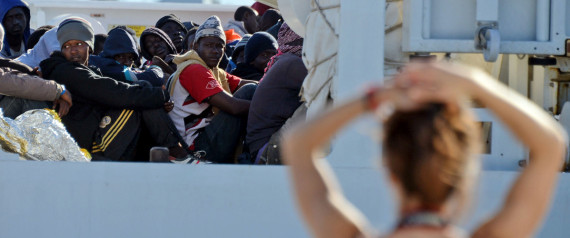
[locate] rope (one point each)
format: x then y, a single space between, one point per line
320 9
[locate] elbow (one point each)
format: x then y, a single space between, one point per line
241 109
236 111
554 146
560 140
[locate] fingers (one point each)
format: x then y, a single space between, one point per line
37 72
67 98
168 106
63 109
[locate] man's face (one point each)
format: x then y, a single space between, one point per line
210 49
15 22
175 32
250 22
126 59
76 51
156 46
260 62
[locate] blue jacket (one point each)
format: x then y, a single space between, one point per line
120 41
6 6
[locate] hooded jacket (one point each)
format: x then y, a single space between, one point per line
237 26
6 6
247 71
120 41
47 44
94 94
159 33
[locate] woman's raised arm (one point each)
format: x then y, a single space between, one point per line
528 199
319 196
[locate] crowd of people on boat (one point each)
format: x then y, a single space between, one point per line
228 93
211 92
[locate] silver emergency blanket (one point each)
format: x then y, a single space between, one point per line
39 135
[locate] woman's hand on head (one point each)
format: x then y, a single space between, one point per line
438 83
396 97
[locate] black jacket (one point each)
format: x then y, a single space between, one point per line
120 41
117 71
93 94
247 71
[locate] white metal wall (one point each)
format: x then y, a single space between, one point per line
106 199
126 13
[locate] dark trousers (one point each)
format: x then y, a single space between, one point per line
13 107
218 141
128 134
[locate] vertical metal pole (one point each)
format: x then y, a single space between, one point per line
426 16
360 62
542 20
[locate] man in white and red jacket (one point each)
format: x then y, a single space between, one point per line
210 105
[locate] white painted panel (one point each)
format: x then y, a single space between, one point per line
360 62
452 26
128 13
456 24
106 199
8 156
506 151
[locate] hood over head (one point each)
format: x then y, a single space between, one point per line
119 41
157 32
5 7
47 44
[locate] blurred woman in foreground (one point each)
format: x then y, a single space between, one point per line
430 149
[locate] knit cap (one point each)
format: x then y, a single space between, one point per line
240 46
211 27
259 42
75 28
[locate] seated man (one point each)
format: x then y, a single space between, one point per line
117 60
21 91
206 114
257 53
158 49
107 114
173 27
244 22
15 18
276 100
